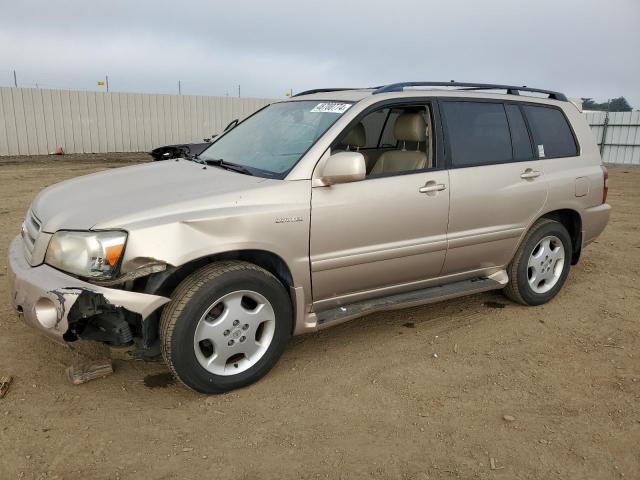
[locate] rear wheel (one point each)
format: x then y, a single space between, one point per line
226 326
541 264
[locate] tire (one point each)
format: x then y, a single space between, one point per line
225 307
536 275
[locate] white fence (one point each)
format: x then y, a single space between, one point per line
37 121
617 135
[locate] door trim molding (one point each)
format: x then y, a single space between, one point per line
350 258
465 239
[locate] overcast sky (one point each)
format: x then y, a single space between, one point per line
585 48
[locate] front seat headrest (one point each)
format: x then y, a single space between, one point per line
410 127
356 137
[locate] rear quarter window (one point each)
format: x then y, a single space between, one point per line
551 132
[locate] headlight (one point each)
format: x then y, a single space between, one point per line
86 254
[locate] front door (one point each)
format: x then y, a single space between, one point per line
374 236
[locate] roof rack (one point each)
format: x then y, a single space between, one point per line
511 89
321 90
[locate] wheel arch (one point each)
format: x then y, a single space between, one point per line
164 283
572 221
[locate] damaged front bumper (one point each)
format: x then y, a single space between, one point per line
44 296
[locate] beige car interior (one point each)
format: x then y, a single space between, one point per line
409 127
406 146
355 139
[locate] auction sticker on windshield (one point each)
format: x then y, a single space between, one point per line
331 107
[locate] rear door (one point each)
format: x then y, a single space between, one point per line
497 185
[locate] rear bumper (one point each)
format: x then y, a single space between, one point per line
594 220
43 296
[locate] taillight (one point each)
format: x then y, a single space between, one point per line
605 187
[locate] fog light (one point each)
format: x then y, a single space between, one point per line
46 312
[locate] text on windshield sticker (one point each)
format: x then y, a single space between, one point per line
331 108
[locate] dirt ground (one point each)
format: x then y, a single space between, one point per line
414 394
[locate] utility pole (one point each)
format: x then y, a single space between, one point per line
238 91
15 79
179 88
106 78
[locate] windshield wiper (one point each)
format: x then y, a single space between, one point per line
227 165
187 155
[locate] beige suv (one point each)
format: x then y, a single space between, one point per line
315 210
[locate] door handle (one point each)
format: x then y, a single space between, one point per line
432 187
529 173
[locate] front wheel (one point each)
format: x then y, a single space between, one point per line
541 264
226 326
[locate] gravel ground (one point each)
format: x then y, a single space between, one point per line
415 394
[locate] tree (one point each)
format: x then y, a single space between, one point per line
619 104
590 104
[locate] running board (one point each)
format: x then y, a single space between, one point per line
411 299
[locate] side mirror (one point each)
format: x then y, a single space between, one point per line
344 167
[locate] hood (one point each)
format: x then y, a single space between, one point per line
107 198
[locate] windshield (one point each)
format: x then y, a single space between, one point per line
273 140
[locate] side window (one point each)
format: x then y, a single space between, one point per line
405 145
520 140
373 126
388 140
478 133
551 132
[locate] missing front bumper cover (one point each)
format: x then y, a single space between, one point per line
45 298
93 317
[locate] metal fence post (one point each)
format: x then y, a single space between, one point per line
604 132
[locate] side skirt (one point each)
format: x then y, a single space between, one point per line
336 315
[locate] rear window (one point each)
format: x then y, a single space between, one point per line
478 133
551 133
